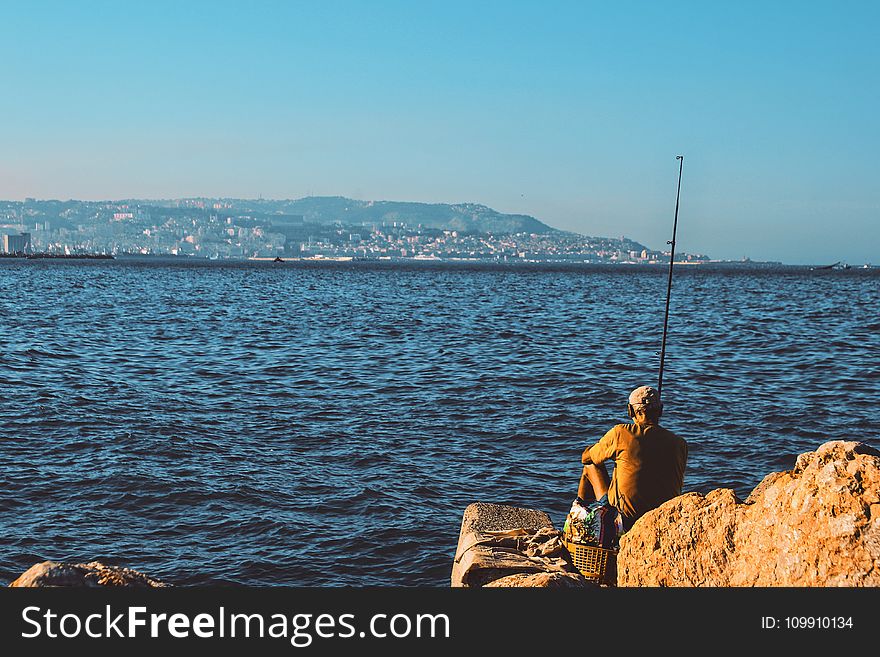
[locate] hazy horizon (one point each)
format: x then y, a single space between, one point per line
572 113
636 238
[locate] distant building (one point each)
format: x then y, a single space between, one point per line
20 243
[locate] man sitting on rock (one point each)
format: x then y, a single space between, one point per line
649 463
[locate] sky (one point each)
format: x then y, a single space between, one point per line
572 112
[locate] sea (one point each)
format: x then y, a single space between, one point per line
326 424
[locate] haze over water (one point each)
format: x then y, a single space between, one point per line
296 424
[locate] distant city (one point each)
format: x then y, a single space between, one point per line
308 228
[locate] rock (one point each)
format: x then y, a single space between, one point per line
93 574
815 525
481 517
497 541
543 580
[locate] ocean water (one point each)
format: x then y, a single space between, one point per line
326 424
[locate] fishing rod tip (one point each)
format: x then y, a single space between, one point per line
679 157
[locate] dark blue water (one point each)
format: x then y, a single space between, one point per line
327 424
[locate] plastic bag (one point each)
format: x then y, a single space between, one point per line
593 524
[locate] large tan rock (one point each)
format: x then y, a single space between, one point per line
93 574
815 525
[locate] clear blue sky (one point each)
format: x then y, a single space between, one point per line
571 112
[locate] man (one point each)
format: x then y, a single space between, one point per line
649 463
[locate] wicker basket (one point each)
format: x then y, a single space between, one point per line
595 563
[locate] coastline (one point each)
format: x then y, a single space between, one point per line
59 256
733 265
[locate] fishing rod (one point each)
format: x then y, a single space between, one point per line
680 158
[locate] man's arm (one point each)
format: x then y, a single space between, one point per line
601 451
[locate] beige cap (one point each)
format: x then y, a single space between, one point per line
645 396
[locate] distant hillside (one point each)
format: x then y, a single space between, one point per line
461 217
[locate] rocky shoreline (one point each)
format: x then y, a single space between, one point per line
817 525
